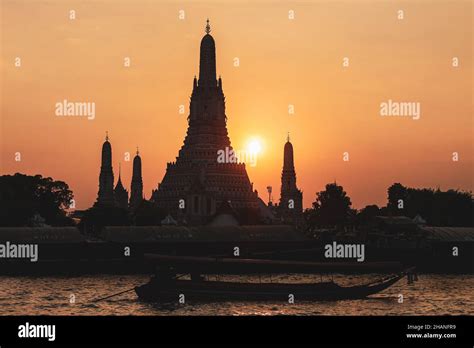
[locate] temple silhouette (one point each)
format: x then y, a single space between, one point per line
291 198
108 196
105 196
136 190
197 188
196 177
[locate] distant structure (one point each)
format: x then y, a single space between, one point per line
291 198
270 199
136 189
108 196
196 184
120 194
105 196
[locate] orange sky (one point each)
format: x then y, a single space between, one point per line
282 62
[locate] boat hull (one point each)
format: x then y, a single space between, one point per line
173 291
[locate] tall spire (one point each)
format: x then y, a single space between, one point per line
207 62
106 178
291 198
288 163
136 189
106 135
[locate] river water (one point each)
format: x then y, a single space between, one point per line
433 294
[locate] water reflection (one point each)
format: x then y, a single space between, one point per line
431 295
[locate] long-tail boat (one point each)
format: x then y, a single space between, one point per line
168 285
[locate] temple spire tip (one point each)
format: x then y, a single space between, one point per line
208 27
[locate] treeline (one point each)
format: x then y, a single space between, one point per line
332 207
35 201
438 208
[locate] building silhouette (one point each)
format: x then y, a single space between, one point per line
105 196
291 198
196 184
120 193
136 189
117 197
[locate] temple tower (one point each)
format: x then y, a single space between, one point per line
196 183
105 196
291 198
136 189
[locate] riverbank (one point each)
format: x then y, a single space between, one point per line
120 250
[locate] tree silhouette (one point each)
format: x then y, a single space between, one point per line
365 215
331 208
24 196
396 192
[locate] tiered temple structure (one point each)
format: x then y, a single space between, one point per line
199 188
291 198
195 185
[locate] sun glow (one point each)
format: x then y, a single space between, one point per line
254 146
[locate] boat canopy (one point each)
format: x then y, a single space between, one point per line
212 265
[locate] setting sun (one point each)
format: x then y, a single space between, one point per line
254 146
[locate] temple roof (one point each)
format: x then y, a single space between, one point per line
119 187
